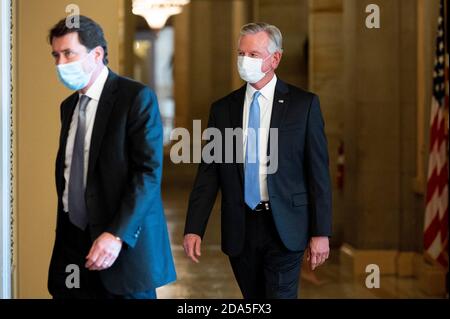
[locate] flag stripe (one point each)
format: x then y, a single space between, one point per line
436 212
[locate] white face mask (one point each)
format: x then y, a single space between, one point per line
73 76
250 69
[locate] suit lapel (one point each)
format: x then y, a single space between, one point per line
67 110
67 113
105 106
280 105
236 115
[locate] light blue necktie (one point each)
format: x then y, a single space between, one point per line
251 179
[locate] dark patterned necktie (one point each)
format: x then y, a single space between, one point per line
77 203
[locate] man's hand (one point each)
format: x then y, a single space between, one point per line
318 251
104 252
192 246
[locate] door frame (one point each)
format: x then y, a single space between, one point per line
5 148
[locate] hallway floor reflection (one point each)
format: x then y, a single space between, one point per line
213 277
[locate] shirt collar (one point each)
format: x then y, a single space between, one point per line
95 91
267 91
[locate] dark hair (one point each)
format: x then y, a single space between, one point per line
90 34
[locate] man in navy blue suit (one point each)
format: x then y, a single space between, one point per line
110 221
269 219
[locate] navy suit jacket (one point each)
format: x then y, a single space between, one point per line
123 189
299 191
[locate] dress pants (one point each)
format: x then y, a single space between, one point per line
72 245
266 269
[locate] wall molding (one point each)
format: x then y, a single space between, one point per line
431 278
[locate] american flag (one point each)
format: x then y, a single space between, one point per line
436 213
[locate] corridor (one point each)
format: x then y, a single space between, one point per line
213 277
379 93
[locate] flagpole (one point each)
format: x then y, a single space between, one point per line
419 181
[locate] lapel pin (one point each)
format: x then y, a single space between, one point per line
280 101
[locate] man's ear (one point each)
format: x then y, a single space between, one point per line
99 53
276 59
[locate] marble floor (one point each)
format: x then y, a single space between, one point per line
213 278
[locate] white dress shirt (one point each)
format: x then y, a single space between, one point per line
265 104
94 92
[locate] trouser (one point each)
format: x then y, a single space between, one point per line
68 277
266 268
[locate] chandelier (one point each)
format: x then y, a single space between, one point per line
156 12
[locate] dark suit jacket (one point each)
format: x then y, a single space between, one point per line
123 194
299 191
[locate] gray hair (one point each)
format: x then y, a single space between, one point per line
275 37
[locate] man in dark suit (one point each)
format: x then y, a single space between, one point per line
111 234
269 218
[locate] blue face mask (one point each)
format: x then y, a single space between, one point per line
73 76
